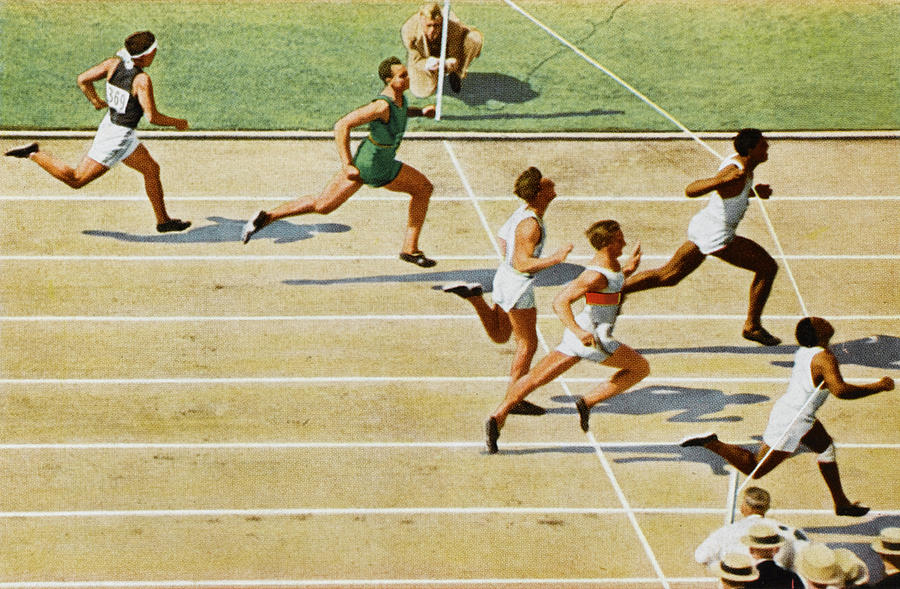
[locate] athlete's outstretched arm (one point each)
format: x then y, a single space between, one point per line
727 178
825 367
144 91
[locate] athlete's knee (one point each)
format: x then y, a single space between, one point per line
76 181
769 268
424 190
324 207
641 368
526 347
827 455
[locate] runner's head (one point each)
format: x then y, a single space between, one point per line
602 233
139 43
813 331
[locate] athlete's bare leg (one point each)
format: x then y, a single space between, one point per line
686 259
550 367
524 328
336 192
143 162
414 183
87 171
633 368
742 459
494 319
818 440
747 254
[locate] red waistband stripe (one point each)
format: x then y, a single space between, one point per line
603 298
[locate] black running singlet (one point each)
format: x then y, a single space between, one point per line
124 109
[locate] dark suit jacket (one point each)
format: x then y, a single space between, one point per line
772 576
889 582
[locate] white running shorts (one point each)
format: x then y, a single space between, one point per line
113 143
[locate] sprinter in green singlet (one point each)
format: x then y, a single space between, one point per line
374 164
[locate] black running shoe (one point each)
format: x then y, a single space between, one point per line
173 225
701 440
491 435
524 407
584 413
22 150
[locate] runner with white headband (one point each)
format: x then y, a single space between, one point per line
129 96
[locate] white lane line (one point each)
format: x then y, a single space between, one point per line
473 200
404 317
257 380
366 257
666 198
392 511
457 445
252 583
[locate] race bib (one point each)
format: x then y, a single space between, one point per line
116 98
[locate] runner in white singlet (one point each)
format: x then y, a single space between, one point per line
792 421
521 240
712 232
587 336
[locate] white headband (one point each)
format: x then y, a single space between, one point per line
128 59
146 51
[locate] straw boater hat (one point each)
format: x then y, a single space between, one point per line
818 563
762 536
735 567
888 542
852 567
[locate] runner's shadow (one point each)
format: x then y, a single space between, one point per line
877 351
690 405
508 116
752 349
554 276
227 230
650 453
871 527
673 453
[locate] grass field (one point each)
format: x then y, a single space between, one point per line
301 65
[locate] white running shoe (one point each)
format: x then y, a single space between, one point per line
254 225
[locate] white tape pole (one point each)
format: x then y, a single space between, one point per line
731 505
440 86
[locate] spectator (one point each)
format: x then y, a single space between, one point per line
888 547
818 566
735 571
753 508
421 36
764 542
854 570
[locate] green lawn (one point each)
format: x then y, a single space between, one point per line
714 65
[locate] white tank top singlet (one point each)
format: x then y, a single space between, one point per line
730 210
801 387
602 307
508 234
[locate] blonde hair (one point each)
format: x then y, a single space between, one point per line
757 499
431 10
602 232
528 184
